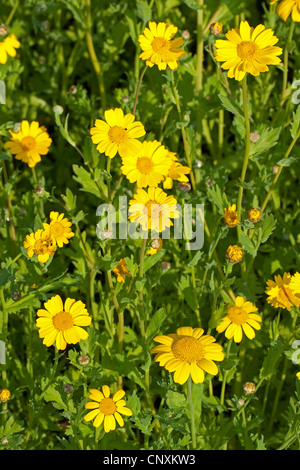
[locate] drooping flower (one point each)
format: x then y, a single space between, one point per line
287 7
121 270
8 46
107 410
216 28
234 254
280 294
159 48
29 143
188 353
153 209
59 228
177 172
254 215
117 134
241 317
248 50
230 216
40 243
62 322
148 166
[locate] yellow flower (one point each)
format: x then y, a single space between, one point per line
40 243
176 172
153 209
8 47
240 318
156 245
298 375
248 50
254 215
121 270
230 216
29 143
216 28
280 294
148 166
106 409
286 7
61 323
295 283
159 48
117 134
59 228
188 353
234 254
4 395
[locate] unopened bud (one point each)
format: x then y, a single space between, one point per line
83 360
249 388
186 34
216 28
3 30
254 136
39 191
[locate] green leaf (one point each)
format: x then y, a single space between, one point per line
155 323
268 227
195 259
218 198
248 244
231 106
268 138
85 179
143 11
151 260
270 362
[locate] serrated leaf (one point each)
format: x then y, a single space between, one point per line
274 353
143 11
155 323
248 244
295 123
152 260
268 138
230 105
85 179
268 227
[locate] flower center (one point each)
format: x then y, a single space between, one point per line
152 208
188 349
57 230
237 315
41 247
28 143
144 165
107 406
160 45
62 321
117 134
246 50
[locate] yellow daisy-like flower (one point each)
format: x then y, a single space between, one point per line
248 50
234 254
230 216
8 47
148 166
153 209
287 7
106 409
4 395
240 318
280 294
117 134
295 283
159 48
298 375
177 172
156 245
254 215
29 143
121 270
59 228
188 353
40 243
62 323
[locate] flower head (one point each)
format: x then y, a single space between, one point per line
4 395
117 134
29 143
295 284
280 294
40 243
248 50
287 7
148 166
62 322
216 28
177 172
240 318
59 228
153 209
234 254
249 388
8 47
159 48
106 409
156 245
188 353
230 216
121 270
254 215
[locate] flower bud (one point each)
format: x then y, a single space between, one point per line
249 388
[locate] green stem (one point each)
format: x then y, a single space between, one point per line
199 68
222 396
55 365
13 11
191 406
138 90
286 59
93 56
142 306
